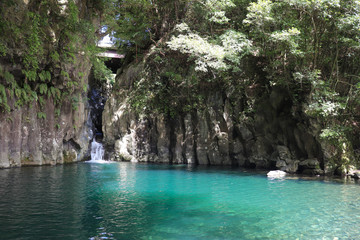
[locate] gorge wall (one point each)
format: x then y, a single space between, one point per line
44 72
27 139
277 137
197 86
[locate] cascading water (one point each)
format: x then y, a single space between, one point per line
96 103
97 95
97 151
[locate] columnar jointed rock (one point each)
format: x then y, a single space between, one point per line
26 138
210 136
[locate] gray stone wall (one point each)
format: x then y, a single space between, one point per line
275 138
26 139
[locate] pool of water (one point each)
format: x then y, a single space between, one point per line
103 200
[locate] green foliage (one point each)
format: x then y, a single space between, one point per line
43 88
57 112
75 102
41 115
34 50
135 20
208 55
45 76
335 134
101 72
309 49
40 39
3 49
216 10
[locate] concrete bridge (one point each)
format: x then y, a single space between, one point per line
110 54
115 58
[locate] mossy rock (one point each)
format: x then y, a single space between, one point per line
70 156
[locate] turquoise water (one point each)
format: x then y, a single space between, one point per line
141 201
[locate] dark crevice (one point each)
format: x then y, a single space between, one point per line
114 64
71 144
97 103
99 91
196 135
183 144
171 125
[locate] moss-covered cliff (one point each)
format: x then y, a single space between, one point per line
257 84
46 48
233 82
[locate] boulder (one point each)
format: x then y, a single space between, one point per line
276 174
310 163
291 166
314 171
354 174
284 153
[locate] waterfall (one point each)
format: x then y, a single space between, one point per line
97 151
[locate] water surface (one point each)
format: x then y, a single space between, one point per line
102 200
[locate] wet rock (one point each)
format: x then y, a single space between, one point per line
284 153
313 172
354 173
291 166
70 156
123 149
214 135
188 140
280 163
310 163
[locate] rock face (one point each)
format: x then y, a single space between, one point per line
27 140
54 138
275 139
53 128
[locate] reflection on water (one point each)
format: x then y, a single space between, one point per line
141 201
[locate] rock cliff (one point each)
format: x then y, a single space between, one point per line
276 137
56 137
44 72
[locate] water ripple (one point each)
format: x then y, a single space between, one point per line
140 201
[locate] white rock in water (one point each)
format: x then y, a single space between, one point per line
276 174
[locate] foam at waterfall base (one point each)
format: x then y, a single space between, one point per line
97 152
98 161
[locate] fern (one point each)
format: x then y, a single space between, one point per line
30 75
25 95
43 88
3 93
45 76
8 77
55 56
57 112
41 101
55 92
41 115
34 95
18 92
65 74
